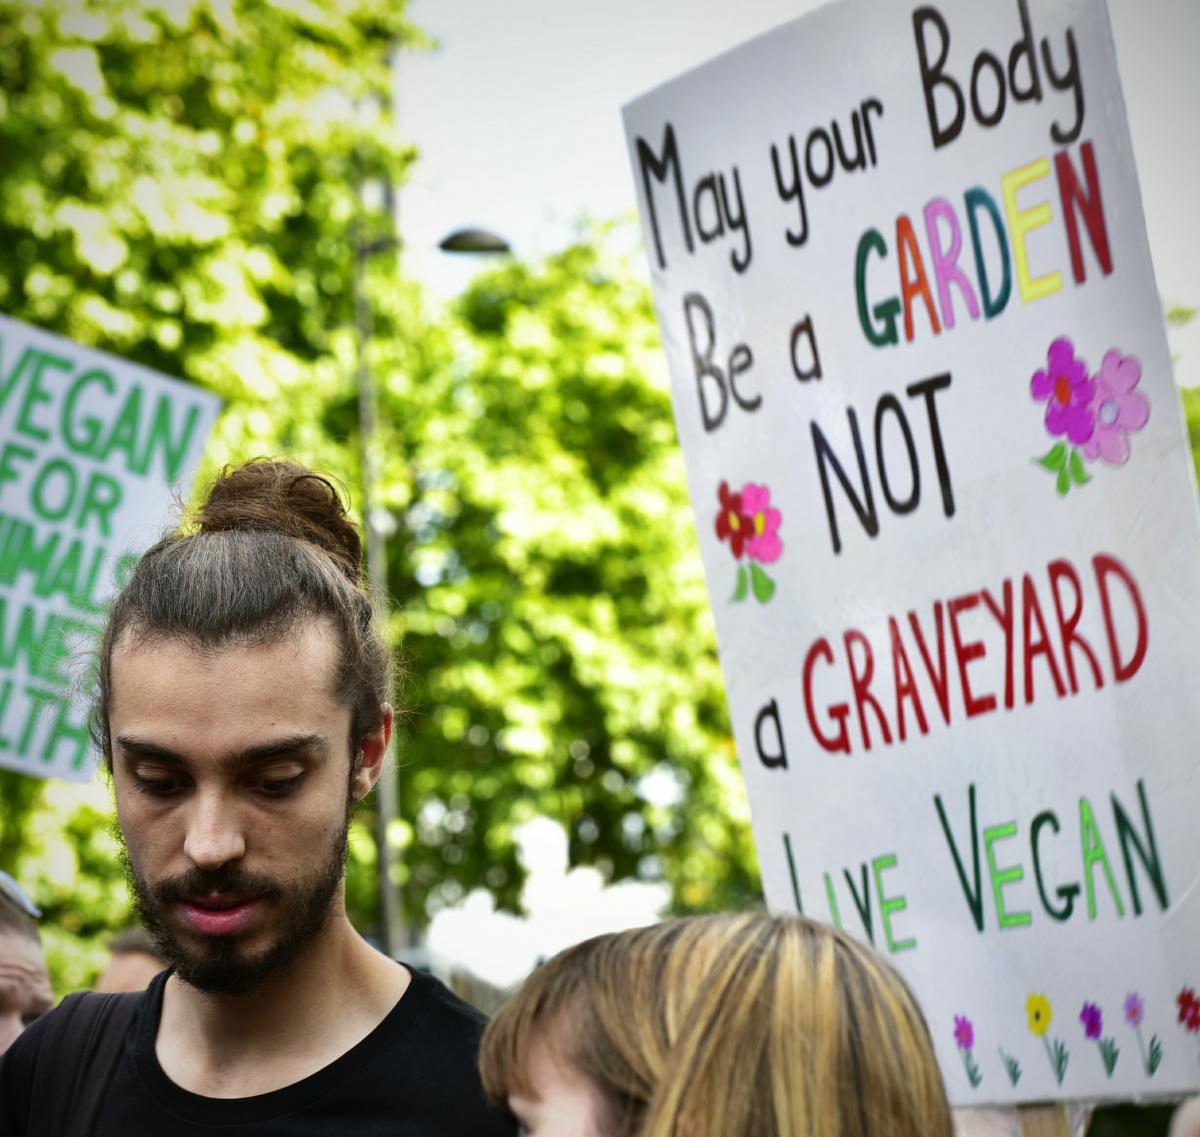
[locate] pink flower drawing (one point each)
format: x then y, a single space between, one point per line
762 543
1135 1008
1065 387
1116 408
964 1032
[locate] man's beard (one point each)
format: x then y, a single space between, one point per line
218 966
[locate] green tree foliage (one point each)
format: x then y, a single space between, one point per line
179 185
556 627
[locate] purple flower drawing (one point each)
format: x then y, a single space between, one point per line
1093 1028
1135 1009
1135 1012
964 1038
1067 391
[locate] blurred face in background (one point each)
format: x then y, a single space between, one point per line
128 971
562 1101
24 986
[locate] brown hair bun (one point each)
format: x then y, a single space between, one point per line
284 497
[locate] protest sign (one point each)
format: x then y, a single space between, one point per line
93 449
948 518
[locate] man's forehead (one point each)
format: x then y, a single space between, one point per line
315 639
283 687
307 656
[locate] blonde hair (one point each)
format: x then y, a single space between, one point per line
715 1026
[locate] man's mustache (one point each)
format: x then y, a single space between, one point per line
228 880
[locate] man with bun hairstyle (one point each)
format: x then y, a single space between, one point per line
241 710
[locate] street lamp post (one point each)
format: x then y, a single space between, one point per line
395 933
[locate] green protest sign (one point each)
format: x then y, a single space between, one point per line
93 450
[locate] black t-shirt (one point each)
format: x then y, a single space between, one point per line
413 1074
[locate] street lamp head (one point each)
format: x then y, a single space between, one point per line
473 241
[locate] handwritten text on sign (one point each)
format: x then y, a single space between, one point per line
947 515
91 448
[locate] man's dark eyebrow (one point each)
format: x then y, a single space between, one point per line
131 746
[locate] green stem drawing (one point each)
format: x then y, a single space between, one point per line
974 1076
743 584
764 586
1058 1057
1109 1053
1011 1066
1067 463
1152 1059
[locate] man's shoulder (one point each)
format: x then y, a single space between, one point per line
432 1061
445 1004
62 1034
76 1016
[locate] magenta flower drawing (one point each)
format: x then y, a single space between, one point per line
749 524
1067 391
964 1038
1118 408
1092 1021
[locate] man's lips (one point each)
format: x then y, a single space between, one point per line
220 915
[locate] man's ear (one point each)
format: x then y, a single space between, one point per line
372 752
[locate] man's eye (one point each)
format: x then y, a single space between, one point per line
157 787
280 787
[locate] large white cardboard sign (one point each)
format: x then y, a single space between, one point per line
93 450
947 514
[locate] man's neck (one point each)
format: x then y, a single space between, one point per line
328 1000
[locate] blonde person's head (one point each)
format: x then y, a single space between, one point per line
726 1026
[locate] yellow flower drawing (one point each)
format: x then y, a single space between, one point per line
1037 1007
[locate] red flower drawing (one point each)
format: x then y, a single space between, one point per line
732 524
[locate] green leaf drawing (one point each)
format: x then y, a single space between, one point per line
1156 1055
1064 482
1078 474
764 586
1011 1066
974 1076
1109 1054
1054 459
743 584
1058 1059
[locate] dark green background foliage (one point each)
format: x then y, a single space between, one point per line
178 185
558 637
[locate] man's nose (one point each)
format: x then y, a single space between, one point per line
214 834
